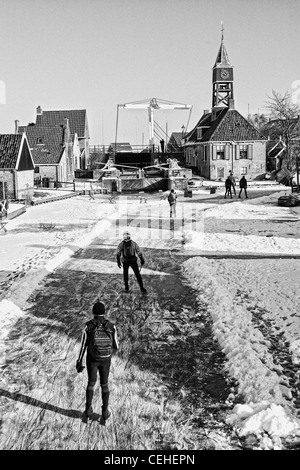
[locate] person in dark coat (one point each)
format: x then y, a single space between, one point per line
243 186
94 365
232 181
228 184
127 254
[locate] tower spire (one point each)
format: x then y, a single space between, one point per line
222 77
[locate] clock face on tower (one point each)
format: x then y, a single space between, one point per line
224 74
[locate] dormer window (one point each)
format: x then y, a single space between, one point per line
39 140
201 131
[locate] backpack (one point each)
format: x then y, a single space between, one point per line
101 341
127 251
171 198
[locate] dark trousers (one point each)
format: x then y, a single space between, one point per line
173 209
134 265
93 368
245 192
228 191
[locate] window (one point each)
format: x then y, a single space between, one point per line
243 151
220 152
205 153
243 170
39 140
36 169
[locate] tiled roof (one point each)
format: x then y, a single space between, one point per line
175 141
49 151
176 136
9 150
229 125
76 117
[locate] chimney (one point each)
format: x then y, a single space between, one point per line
205 111
16 126
39 111
66 131
231 103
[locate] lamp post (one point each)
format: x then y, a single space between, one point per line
182 131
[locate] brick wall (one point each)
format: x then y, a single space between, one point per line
8 178
19 184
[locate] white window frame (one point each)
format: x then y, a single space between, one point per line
244 148
220 151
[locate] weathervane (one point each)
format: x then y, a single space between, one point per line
222 29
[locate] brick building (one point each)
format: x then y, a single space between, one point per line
223 139
16 167
53 152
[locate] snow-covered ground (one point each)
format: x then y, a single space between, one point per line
234 289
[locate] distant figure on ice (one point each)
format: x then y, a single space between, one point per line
243 186
92 193
232 181
128 252
172 202
99 339
228 184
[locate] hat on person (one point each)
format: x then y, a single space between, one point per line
126 235
99 308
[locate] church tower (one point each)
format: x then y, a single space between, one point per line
222 96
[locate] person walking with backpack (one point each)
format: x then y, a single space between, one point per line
128 252
243 186
99 339
228 185
172 202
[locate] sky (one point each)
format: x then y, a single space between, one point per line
96 54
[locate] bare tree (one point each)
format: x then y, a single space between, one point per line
284 122
258 120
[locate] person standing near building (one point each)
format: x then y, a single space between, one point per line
172 202
92 193
99 339
243 186
127 254
232 181
228 184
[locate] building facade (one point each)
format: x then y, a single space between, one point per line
16 167
53 152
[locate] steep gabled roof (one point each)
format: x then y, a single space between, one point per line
229 126
222 59
77 120
175 138
50 148
9 150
